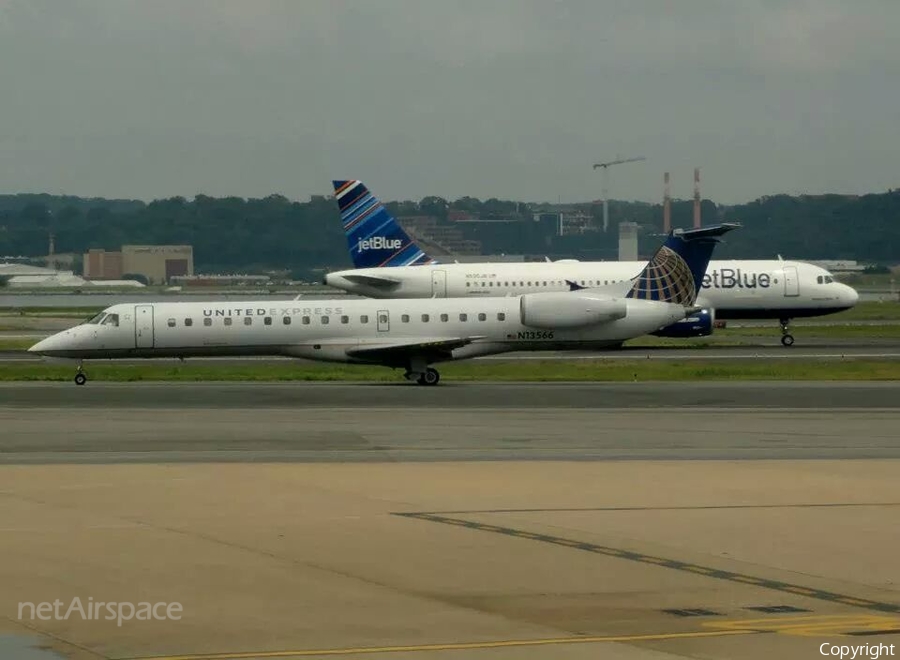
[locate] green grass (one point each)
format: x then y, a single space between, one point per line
56 312
533 371
17 344
868 311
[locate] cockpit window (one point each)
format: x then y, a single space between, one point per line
94 320
829 279
111 319
824 279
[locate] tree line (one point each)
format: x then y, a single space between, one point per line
233 234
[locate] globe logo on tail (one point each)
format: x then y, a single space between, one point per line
667 278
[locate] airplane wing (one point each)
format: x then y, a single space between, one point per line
377 281
433 350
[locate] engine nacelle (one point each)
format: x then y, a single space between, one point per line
569 310
697 325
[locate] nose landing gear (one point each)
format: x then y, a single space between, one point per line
80 377
787 339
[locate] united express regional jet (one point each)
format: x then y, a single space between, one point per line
407 333
389 264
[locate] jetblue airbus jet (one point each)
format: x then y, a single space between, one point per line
389 264
408 334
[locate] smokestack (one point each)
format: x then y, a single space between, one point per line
667 205
696 198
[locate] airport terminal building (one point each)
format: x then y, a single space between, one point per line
158 263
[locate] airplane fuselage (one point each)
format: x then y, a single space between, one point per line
735 289
338 330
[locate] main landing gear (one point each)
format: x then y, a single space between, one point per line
429 376
787 339
80 378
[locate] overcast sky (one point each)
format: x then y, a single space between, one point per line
490 98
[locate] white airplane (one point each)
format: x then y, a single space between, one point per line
389 264
406 333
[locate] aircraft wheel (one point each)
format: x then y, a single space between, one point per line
787 340
80 379
430 377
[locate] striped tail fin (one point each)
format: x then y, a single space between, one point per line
374 237
675 272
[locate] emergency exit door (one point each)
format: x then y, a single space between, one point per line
384 321
143 326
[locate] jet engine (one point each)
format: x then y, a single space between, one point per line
569 310
696 325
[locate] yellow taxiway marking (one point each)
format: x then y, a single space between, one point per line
813 625
461 646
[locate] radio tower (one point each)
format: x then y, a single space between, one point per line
667 205
696 198
605 167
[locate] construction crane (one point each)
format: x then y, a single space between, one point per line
605 167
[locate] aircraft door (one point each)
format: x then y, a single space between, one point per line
439 283
384 320
143 326
791 281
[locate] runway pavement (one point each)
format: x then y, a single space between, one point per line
468 521
134 422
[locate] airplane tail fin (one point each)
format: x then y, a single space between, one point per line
675 272
375 239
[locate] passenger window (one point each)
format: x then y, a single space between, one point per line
463 317
545 283
248 320
468 284
482 316
345 320
227 320
305 320
286 320
444 318
267 320
483 284
363 319
189 322
207 321
324 320
501 316
405 318
529 284
425 318
171 323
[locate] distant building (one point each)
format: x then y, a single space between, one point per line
23 276
157 263
628 241
221 280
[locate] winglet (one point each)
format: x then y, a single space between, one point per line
374 237
675 272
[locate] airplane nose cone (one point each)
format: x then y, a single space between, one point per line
40 346
850 296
